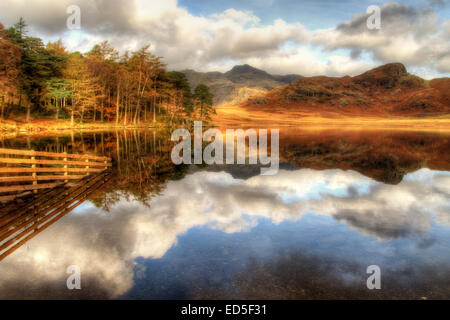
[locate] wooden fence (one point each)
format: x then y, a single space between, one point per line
23 172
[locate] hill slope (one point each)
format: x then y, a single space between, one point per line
385 91
238 84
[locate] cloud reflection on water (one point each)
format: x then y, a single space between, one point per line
106 244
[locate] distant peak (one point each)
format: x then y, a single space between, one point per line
244 68
389 70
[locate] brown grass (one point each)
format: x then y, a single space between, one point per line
239 116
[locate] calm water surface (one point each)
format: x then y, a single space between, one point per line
341 201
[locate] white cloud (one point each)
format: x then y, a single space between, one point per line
409 35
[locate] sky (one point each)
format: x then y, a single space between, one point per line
306 37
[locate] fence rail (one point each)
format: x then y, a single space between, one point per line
33 153
44 170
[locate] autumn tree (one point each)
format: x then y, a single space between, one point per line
101 62
145 68
10 58
82 85
57 48
124 92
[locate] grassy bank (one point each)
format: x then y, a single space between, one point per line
48 125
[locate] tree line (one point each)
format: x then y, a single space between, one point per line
46 80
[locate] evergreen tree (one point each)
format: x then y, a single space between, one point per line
204 101
37 65
58 91
180 82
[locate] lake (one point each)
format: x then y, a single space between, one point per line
342 200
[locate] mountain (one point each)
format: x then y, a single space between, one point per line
385 91
238 84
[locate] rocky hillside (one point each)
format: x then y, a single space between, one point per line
388 90
238 84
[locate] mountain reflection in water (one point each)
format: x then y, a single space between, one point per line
342 200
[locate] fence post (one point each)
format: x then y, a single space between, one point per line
33 174
87 167
65 167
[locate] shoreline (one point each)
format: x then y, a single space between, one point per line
43 126
221 121
347 124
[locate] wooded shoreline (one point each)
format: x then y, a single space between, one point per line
61 125
39 81
57 127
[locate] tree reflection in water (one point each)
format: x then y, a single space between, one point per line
136 203
142 162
